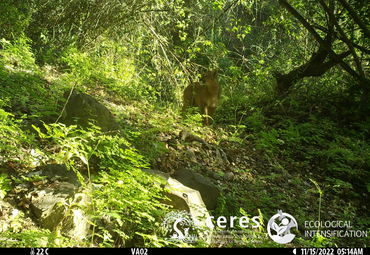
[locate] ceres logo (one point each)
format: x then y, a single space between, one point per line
180 227
280 231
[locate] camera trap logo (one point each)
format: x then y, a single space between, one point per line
282 228
180 227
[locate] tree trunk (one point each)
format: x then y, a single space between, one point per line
315 66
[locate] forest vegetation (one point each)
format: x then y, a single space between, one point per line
293 114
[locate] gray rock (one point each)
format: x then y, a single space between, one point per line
190 153
49 204
164 176
229 176
219 157
55 206
213 175
185 198
83 108
60 172
210 192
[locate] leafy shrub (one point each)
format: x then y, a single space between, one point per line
4 185
15 17
127 196
17 55
107 66
12 139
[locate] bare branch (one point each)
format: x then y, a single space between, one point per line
214 22
318 38
344 37
356 17
361 48
365 83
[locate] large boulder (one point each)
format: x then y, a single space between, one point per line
82 109
210 192
188 199
55 206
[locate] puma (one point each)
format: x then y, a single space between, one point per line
205 96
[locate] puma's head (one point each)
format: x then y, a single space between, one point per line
209 77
